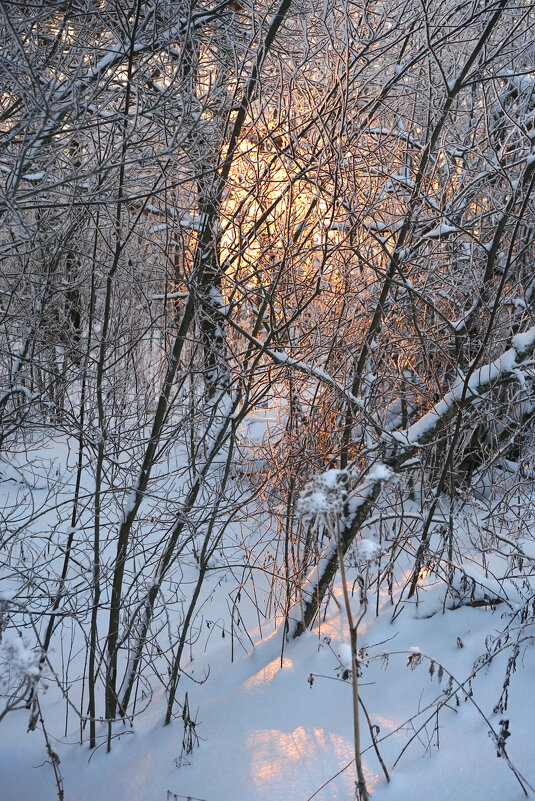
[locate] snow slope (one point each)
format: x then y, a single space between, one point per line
271 733
274 721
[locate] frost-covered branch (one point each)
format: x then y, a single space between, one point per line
361 500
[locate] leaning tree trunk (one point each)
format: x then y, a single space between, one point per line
454 406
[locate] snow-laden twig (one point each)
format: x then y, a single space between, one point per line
61 97
361 501
468 391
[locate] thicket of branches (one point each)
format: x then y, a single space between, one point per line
318 215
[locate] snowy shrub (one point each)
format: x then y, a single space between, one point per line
20 662
322 500
20 670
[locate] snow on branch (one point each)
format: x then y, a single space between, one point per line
361 501
61 99
283 359
468 390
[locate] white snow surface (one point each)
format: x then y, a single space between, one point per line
274 719
268 735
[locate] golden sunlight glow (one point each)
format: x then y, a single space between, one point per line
268 673
274 752
424 572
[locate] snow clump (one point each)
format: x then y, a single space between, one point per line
21 663
322 499
367 550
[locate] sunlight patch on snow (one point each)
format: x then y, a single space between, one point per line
266 674
386 723
334 627
425 571
275 753
335 624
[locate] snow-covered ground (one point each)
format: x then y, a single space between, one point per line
274 721
280 733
